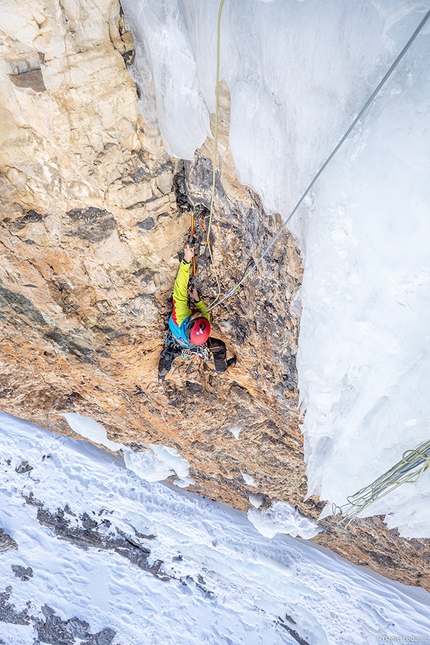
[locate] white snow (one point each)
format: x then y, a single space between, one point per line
255 500
236 430
249 479
283 518
158 464
90 429
298 73
184 482
248 583
154 465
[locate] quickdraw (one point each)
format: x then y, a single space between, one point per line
188 353
197 352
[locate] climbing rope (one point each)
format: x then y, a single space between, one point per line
215 150
214 163
192 233
371 98
407 471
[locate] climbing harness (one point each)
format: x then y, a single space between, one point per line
371 98
193 355
169 341
407 471
198 352
188 353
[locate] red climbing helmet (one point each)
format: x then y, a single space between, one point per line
199 331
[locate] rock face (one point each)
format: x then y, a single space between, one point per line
93 217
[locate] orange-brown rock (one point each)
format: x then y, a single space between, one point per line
93 217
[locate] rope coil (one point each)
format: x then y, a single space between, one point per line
408 470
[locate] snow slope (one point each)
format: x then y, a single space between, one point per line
224 583
298 73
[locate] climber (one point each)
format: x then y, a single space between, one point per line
190 328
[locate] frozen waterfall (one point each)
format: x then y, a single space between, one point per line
298 73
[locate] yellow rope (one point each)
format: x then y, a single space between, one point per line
215 151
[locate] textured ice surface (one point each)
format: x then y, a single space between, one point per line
154 465
249 479
90 429
282 518
158 463
227 584
298 73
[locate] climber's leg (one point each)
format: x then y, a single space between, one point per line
219 353
167 356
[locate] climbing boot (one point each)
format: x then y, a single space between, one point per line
230 363
162 375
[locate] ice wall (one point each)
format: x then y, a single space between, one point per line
298 73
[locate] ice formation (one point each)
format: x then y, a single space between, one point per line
90 429
283 518
236 430
255 500
157 464
249 479
298 73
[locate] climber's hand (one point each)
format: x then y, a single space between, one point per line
188 253
193 293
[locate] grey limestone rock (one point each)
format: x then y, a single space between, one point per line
6 542
7 610
56 631
24 467
22 573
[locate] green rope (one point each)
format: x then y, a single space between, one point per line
371 98
407 471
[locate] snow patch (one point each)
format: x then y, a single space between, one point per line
283 518
224 576
158 464
255 500
183 483
235 430
249 480
154 465
91 430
